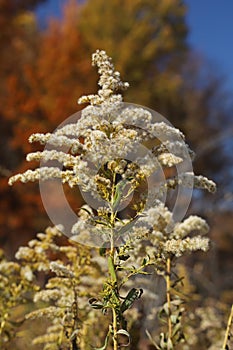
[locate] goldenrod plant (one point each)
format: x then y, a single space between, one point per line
129 164
16 288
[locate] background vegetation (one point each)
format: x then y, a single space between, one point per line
44 71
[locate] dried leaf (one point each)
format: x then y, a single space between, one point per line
169 344
124 332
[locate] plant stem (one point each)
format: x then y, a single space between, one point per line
168 294
112 272
114 326
224 347
111 266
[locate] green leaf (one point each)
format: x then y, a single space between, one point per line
99 220
128 226
145 260
119 190
176 329
95 304
111 268
102 251
133 295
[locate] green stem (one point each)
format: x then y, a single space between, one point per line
112 273
111 266
114 326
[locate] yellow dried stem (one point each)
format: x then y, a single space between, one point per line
228 330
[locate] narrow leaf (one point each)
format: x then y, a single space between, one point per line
124 332
74 334
176 329
86 210
152 340
95 304
169 344
133 295
102 251
124 257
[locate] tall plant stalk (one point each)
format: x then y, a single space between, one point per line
168 295
113 276
110 135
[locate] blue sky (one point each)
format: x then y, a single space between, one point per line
211 30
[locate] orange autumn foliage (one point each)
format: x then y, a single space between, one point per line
39 94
